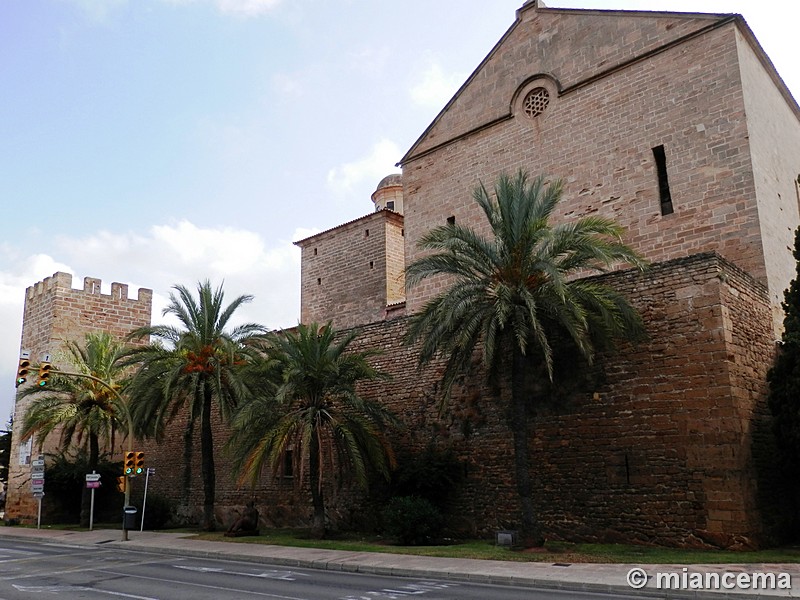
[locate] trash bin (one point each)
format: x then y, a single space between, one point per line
129 517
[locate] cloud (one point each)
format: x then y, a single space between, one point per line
246 8
159 258
98 11
185 253
370 169
435 88
288 85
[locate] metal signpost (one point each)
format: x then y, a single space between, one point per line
92 482
150 471
37 485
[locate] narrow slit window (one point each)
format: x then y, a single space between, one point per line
797 191
315 251
663 183
390 205
366 233
371 264
319 281
288 464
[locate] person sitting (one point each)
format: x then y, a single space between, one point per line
246 524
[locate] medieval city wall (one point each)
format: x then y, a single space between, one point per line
54 313
658 445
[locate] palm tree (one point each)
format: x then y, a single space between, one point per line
192 367
84 411
309 413
516 291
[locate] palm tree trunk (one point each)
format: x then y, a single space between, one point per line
188 448
207 460
86 497
530 530
317 498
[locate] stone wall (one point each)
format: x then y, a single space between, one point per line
350 273
620 85
55 312
657 446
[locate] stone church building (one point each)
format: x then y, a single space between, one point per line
677 126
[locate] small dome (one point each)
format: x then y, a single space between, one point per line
390 180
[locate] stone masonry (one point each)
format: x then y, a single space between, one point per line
675 125
620 85
55 312
350 274
660 446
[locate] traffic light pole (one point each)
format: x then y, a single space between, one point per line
129 436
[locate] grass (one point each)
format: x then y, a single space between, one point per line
554 552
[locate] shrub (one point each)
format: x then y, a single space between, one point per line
412 520
432 474
158 511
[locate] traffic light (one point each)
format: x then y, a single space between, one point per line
22 371
139 466
44 373
121 483
128 464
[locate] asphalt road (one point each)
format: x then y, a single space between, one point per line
38 570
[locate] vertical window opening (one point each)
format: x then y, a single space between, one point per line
288 464
315 251
451 220
402 233
319 281
371 265
663 183
797 191
366 233
390 205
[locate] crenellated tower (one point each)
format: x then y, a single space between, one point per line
54 313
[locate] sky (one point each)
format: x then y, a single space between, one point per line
164 142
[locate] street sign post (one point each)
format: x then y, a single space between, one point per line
37 485
92 482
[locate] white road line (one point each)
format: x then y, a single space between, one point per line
202 585
271 574
58 589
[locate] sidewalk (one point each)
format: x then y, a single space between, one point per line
608 578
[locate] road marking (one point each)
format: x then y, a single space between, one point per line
202 585
282 575
58 589
80 569
10 555
403 591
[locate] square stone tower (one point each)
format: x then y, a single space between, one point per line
54 313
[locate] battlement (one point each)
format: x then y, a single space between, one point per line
91 285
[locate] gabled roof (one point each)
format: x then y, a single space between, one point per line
608 40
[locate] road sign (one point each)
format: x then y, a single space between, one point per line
151 470
38 481
37 465
93 477
37 489
92 484
38 494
